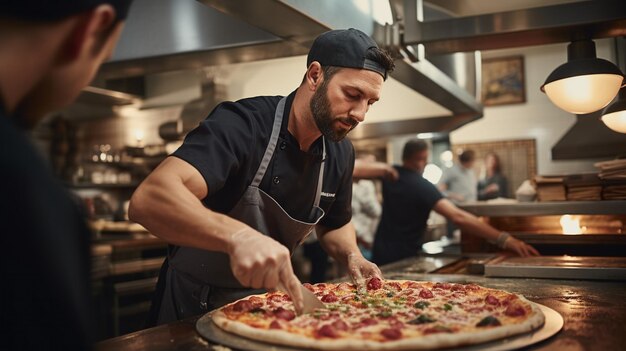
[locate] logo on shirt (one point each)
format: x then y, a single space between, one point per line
325 194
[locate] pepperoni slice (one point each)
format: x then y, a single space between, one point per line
444 286
457 287
327 331
492 300
330 297
426 294
309 286
436 330
515 310
243 306
275 325
374 284
256 301
391 334
284 314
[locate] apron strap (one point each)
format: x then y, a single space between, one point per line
269 151
320 178
271 146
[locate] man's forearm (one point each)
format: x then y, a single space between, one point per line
171 212
339 243
473 225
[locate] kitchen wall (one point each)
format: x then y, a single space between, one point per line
537 118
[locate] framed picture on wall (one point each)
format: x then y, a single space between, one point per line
503 81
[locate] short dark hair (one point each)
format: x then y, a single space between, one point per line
412 147
382 57
466 156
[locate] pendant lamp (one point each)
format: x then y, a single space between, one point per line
584 83
614 116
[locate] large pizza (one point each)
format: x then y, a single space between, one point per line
389 315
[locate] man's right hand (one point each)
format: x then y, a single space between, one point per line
258 261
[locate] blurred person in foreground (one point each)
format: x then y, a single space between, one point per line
256 177
407 204
49 51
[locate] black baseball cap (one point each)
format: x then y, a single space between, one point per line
51 10
345 48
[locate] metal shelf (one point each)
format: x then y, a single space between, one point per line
546 208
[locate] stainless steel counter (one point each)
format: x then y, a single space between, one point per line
546 208
594 312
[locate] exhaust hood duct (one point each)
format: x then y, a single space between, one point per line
301 22
589 138
170 35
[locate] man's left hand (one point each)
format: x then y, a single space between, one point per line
520 247
361 270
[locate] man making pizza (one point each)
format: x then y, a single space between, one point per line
256 177
407 205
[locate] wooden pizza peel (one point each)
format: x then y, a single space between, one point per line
553 324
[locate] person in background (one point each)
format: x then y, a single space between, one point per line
407 204
49 51
366 208
458 184
494 184
365 214
256 177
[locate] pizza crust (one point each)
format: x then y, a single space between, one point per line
441 340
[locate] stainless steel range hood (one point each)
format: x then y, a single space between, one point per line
300 21
186 34
171 35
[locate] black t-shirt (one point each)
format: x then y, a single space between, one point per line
227 148
406 206
45 294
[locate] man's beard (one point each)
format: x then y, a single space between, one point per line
320 108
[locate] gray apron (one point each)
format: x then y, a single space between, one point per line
197 280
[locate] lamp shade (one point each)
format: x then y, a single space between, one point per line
585 83
614 116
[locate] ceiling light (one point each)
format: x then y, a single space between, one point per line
585 83
614 116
